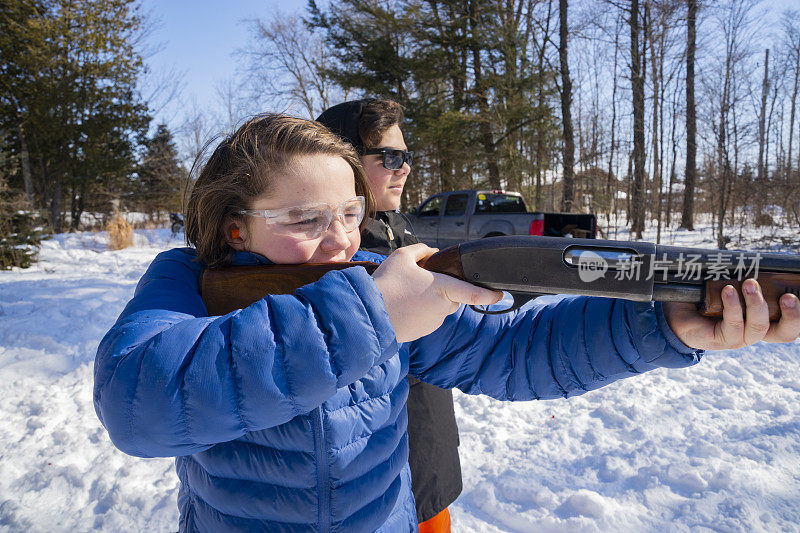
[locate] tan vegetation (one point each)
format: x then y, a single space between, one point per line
120 233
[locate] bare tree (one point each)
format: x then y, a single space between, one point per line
674 154
161 89
611 178
762 121
727 80
195 133
286 63
637 87
690 174
232 106
541 152
568 148
661 19
791 28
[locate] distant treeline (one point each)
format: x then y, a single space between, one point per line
654 108
650 109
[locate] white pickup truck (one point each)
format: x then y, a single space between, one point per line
450 218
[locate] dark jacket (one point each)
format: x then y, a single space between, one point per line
432 429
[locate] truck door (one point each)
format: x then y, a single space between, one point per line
427 218
453 227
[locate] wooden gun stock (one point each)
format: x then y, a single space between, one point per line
229 288
226 289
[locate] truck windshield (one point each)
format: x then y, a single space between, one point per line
499 203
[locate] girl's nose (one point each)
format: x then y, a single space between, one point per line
335 236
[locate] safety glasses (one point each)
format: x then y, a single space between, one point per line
310 221
392 159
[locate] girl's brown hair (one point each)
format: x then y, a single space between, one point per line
242 168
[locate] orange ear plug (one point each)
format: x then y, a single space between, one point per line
235 233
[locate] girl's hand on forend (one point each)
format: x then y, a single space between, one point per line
733 331
418 300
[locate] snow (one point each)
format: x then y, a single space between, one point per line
712 448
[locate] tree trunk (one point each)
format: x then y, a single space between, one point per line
540 138
690 177
637 86
735 170
658 90
674 143
629 188
56 206
723 161
723 164
762 132
73 211
25 159
568 158
81 207
611 194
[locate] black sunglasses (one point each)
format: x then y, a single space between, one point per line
392 159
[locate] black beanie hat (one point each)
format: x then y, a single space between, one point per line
342 119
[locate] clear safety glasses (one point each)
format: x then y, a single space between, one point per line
310 221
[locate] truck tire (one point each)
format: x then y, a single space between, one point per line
494 234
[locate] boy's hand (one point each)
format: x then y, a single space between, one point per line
418 300
733 331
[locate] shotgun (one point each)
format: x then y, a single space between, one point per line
527 267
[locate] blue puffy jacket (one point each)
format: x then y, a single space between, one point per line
289 415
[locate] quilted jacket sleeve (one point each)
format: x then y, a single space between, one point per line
170 381
558 347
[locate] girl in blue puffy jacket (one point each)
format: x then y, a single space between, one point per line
289 415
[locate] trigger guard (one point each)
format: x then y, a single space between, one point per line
520 299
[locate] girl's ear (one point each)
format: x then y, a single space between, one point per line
235 234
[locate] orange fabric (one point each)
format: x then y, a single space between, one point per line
438 524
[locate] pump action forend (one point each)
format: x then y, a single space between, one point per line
529 266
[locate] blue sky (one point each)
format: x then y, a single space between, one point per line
198 39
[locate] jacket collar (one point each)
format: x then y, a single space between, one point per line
248 258
252 258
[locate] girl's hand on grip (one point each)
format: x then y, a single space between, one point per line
733 331
418 300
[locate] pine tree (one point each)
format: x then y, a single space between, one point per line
161 176
69 98
19 232
476 102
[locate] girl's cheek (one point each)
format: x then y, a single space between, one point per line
297 251
282 250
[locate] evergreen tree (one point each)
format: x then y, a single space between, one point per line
19 234
69 99
475 100
160 175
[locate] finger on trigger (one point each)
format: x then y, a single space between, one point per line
467 293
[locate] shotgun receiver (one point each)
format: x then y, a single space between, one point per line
527 267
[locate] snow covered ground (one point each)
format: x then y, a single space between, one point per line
711 448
